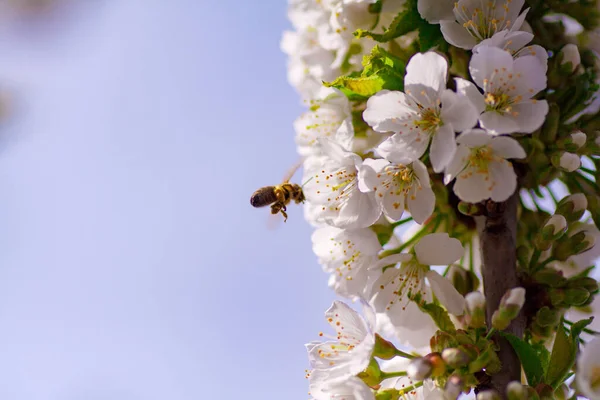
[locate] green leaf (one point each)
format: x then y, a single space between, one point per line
437 313
578 327
406 21
359 88
382 70
532 365
543 354
563 356
430 36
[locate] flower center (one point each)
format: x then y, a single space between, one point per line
399 180
480 158
499 102
483 23
430 120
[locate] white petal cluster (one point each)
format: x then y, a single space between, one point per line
377 158
336 362
322 45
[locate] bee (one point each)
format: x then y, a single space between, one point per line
279 196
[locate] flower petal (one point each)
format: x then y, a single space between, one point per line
404 148
422 205
472 186
429 69
497 124
443 147
435 11
458 111
467 88
458 163
530 115
446 293
438 249
474 138
486 61
388 111
457 35
507 147
504 180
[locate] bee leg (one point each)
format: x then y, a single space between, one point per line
284 215
280 195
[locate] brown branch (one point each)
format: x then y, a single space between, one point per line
497 234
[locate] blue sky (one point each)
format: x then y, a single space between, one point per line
132 265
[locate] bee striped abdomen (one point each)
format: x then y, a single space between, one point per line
263 197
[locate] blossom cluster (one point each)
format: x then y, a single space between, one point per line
407 134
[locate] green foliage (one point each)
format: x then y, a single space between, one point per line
407 21
564 353
382 70
532 365
438 314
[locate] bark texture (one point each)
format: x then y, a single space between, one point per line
497 234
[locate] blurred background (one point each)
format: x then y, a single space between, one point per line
132 265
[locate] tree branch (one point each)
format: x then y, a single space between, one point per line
497 234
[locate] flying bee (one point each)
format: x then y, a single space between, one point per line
279 196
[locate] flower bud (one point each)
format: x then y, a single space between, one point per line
475 309
441 341
516 391
384 349
554 228
578 138
572 245
463 280
454 387
569 57
488 395
550 127
510 305
572 207
419 369
455 357
566 161
547 316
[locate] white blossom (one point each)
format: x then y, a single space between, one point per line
578 138
346 255
570 54
569 162
476 20
480 166
393 290
328 112
508 85
435 11
588 370
349 389
399 187
334 186
351 348
426 112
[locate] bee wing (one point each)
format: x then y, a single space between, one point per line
293 170
274 221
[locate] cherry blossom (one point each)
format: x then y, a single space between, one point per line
480 166
426 112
